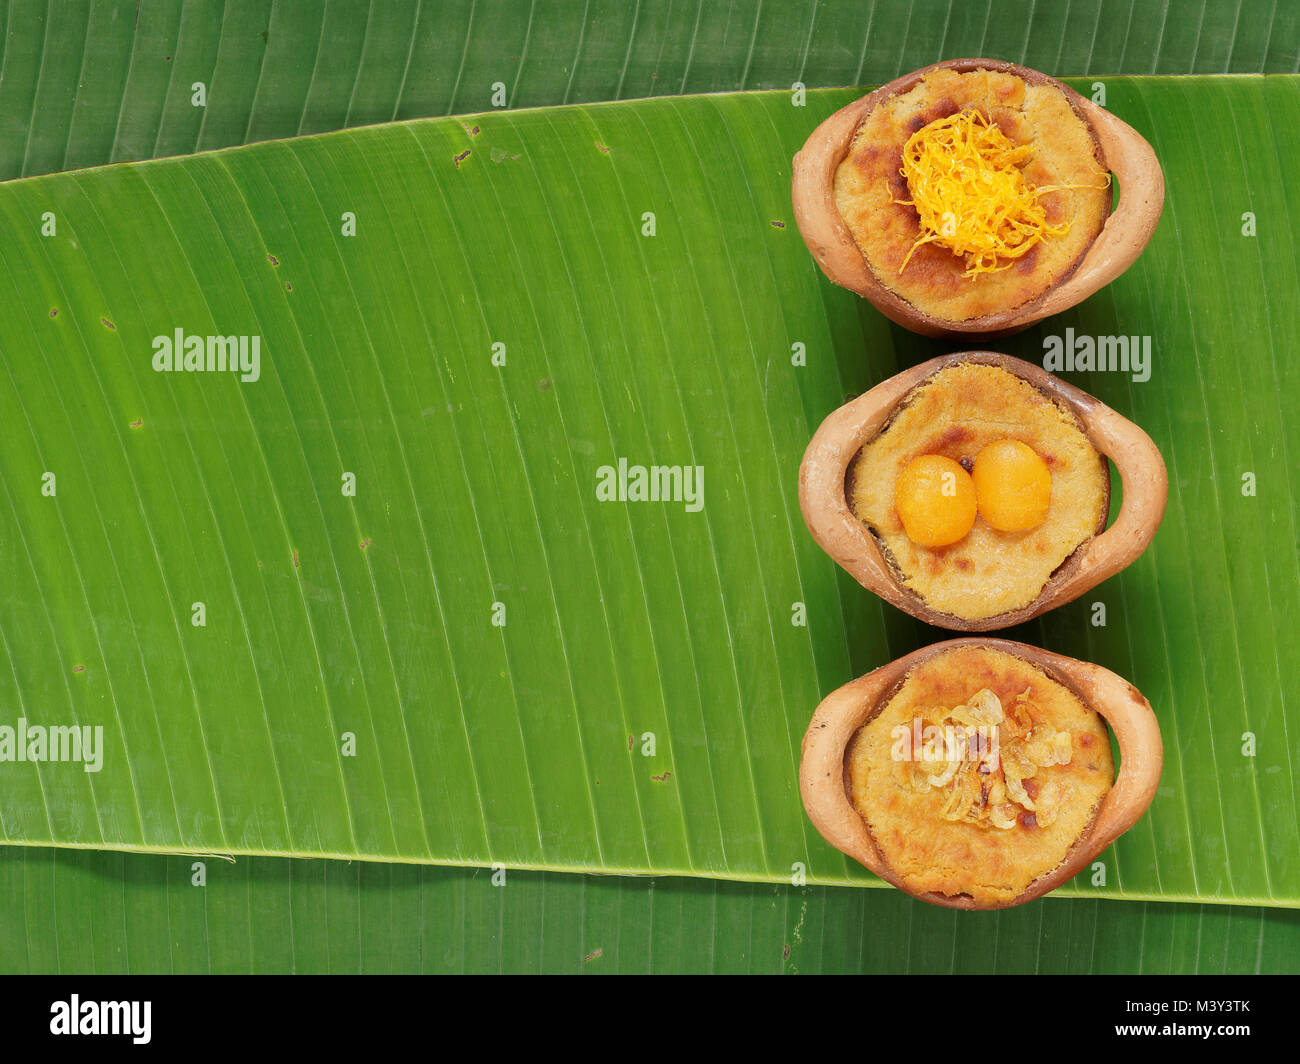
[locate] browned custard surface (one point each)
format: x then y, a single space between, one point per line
955 413
992 819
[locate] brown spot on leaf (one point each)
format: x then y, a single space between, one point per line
660 779
272 259
473 131
54 312
108 325
602 148
593 955
778 225
544 385
458 159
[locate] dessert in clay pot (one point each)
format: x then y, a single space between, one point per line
972 198
978 773
972 491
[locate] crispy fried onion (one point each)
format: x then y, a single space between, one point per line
981 753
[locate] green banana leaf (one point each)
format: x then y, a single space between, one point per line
329 616
102 913
75 61
96 81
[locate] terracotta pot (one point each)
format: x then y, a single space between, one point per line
839 531
825 792
1121 148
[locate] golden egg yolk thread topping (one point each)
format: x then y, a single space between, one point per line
972 198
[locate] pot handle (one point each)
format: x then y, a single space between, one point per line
1127 231
821 768
1145 488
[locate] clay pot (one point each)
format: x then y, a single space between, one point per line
1121 149
825 792
833 524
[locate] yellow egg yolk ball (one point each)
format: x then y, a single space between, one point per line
935 498
1013 486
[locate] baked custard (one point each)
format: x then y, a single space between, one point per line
978 489
978 775
973 192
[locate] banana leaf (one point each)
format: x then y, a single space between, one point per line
474 659
96 81
109 913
